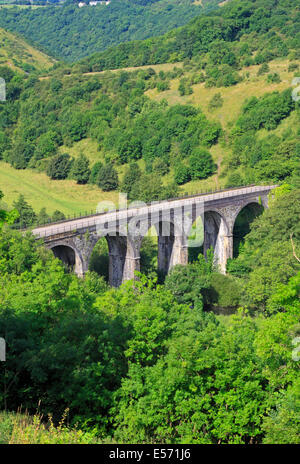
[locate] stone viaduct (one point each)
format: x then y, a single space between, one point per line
73 240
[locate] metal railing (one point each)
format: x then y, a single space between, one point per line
85 222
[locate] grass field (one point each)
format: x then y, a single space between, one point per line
233 97
40 191
14 52
64 195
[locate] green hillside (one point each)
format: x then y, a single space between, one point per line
200 124
16 53
267 28
70 33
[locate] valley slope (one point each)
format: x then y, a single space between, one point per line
70 33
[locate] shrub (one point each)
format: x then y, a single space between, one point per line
163 86
107 178
263 69
274 78
225 291
182 174
201 164
216 101
59 166
293 67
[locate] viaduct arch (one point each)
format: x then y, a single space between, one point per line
73 240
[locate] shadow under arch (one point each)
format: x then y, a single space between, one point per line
163 239
66 254
108 257
242 224
99 260
211 231
195 239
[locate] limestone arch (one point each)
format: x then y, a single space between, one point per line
242 221
123 258
210 229
216 236
171 243
259 202
69 255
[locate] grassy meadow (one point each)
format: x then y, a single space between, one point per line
14 52
40 191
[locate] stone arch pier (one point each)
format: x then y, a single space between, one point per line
73 240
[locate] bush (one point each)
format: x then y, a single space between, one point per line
22 429
182 174
163 86
225 291
107 178
58 216
184 87
293 67
201 164
263 69
216 101
274 78
59 166
234 180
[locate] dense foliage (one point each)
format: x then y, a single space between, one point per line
146 363
229 36
195 356
68 32
43 116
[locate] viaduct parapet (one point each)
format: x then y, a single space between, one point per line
74 240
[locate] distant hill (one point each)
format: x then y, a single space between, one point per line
16 53
268 28
70 33
225 98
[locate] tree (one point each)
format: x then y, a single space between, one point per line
4 143
129 147
27 216
43 217
263 69
46 146
131 176
94 172
182 174
282 426
160 166
59 166
58 216
147 189
201 164
216 101
272 262
107 178
8 217
80 169
189 283
185 87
